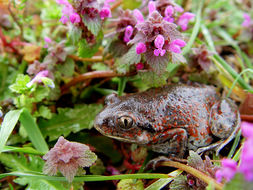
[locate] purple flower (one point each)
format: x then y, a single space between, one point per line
227 171
178 9
159 42
41 77
247 129
247 20
141 48
169 13
74 18
175 46
68 157
151 7
138 15
105 12
184 19
48 41
246 166
128 33
68 13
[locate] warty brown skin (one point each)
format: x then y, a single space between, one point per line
170 119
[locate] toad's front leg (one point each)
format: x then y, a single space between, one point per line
172 141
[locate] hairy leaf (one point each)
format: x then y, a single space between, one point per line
93 24
69 120
17 162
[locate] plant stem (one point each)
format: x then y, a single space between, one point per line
194 172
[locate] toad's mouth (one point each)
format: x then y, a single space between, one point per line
138 140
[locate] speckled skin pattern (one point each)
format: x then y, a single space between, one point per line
170 119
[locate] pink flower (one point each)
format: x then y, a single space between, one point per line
169 13
227 171
105 12
246 166
68 157
247 129
68 13
159 42
138 15
176 45
184 19
74 18
48 41
247 20
141 48
151 7
179 9
41 77
128 33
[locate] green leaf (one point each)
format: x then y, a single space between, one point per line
27 150
33 131
33 163
37 175
45 112
85 50
98 168
9 122
74 34
93 24
160 183
67 68
129 184
238 182
20 84
131 57
131 4
69 120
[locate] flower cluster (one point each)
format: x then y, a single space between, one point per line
93 9
172 12
68 13
126 25
157 39
68 157
229 167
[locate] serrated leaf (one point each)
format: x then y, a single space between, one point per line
34 163
69 120
20 84
157 63
74 33
85 50
195 160
152 79
67 68
94 24
131 57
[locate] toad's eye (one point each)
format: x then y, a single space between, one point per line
125 122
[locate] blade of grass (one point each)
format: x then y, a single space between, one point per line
121 85
27 150
160 183
86 178
9 122
208 37
231 71
195 31
236 80
33 131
